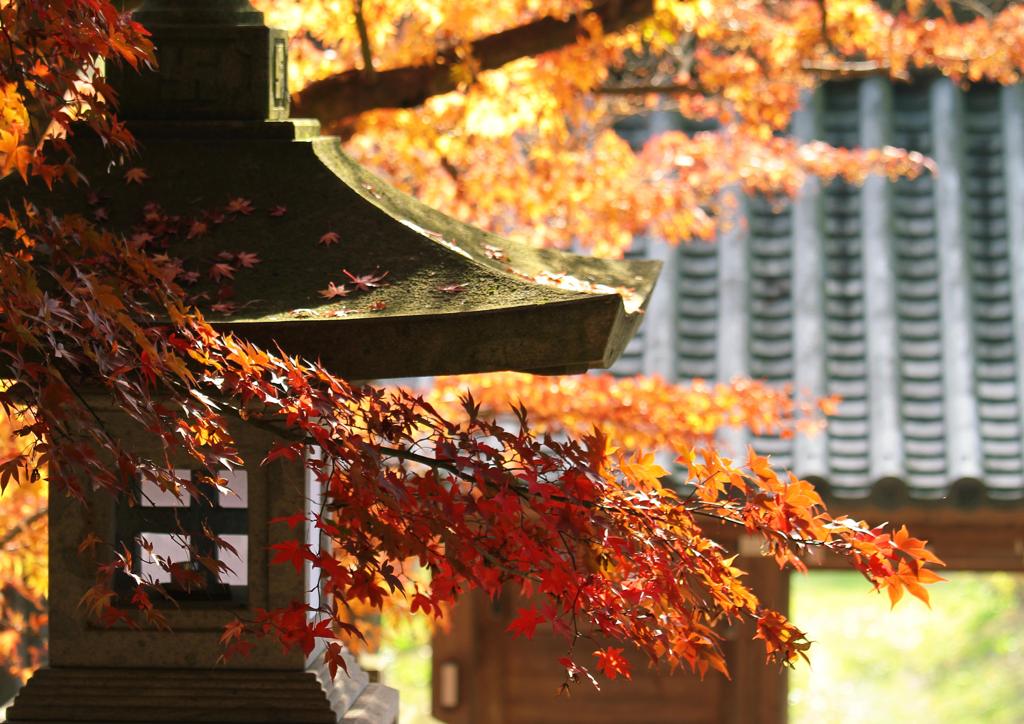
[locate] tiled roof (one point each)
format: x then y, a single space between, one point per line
905 298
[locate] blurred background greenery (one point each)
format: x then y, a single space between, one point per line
962 662
404 663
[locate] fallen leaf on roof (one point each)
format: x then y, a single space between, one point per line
239 206
197 228
222 271
365 282
334 290
248 259
135 175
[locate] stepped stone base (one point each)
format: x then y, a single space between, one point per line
147 696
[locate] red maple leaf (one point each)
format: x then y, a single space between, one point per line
334 290
221 271
239 206
197 228
331 237
378 306
611 663
292 520
452 288
152 213
288 451
224 307
526 622
135 175
189 277
279 210
100 214
365 282
248 259
291 551
335 659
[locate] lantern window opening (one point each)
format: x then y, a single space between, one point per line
178 528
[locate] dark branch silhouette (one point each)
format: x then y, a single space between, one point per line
354 91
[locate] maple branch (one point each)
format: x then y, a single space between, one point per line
847 68
637 90
364 41
351 92
823 9
976 7
783 536
22 527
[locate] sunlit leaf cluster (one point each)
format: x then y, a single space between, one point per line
528 150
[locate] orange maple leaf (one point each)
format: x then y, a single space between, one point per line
135 175
611 663
239 205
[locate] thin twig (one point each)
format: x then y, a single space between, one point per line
369 72
637 90
22 527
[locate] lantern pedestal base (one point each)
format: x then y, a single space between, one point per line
147 696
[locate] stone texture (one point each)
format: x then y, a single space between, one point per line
210 72
149 695
501 319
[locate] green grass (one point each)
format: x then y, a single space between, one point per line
963 661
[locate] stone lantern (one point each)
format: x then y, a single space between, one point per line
213 126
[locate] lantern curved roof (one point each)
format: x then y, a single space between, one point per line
450 298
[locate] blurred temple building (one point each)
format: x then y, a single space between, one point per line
904 298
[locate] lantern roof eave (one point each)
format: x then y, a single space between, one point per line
451 297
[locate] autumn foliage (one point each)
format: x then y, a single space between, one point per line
561 496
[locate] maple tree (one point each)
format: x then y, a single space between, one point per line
501 117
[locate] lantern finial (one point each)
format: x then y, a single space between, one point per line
217 62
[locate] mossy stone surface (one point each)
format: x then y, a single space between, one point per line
455 298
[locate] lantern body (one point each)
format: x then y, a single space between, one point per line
135 672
